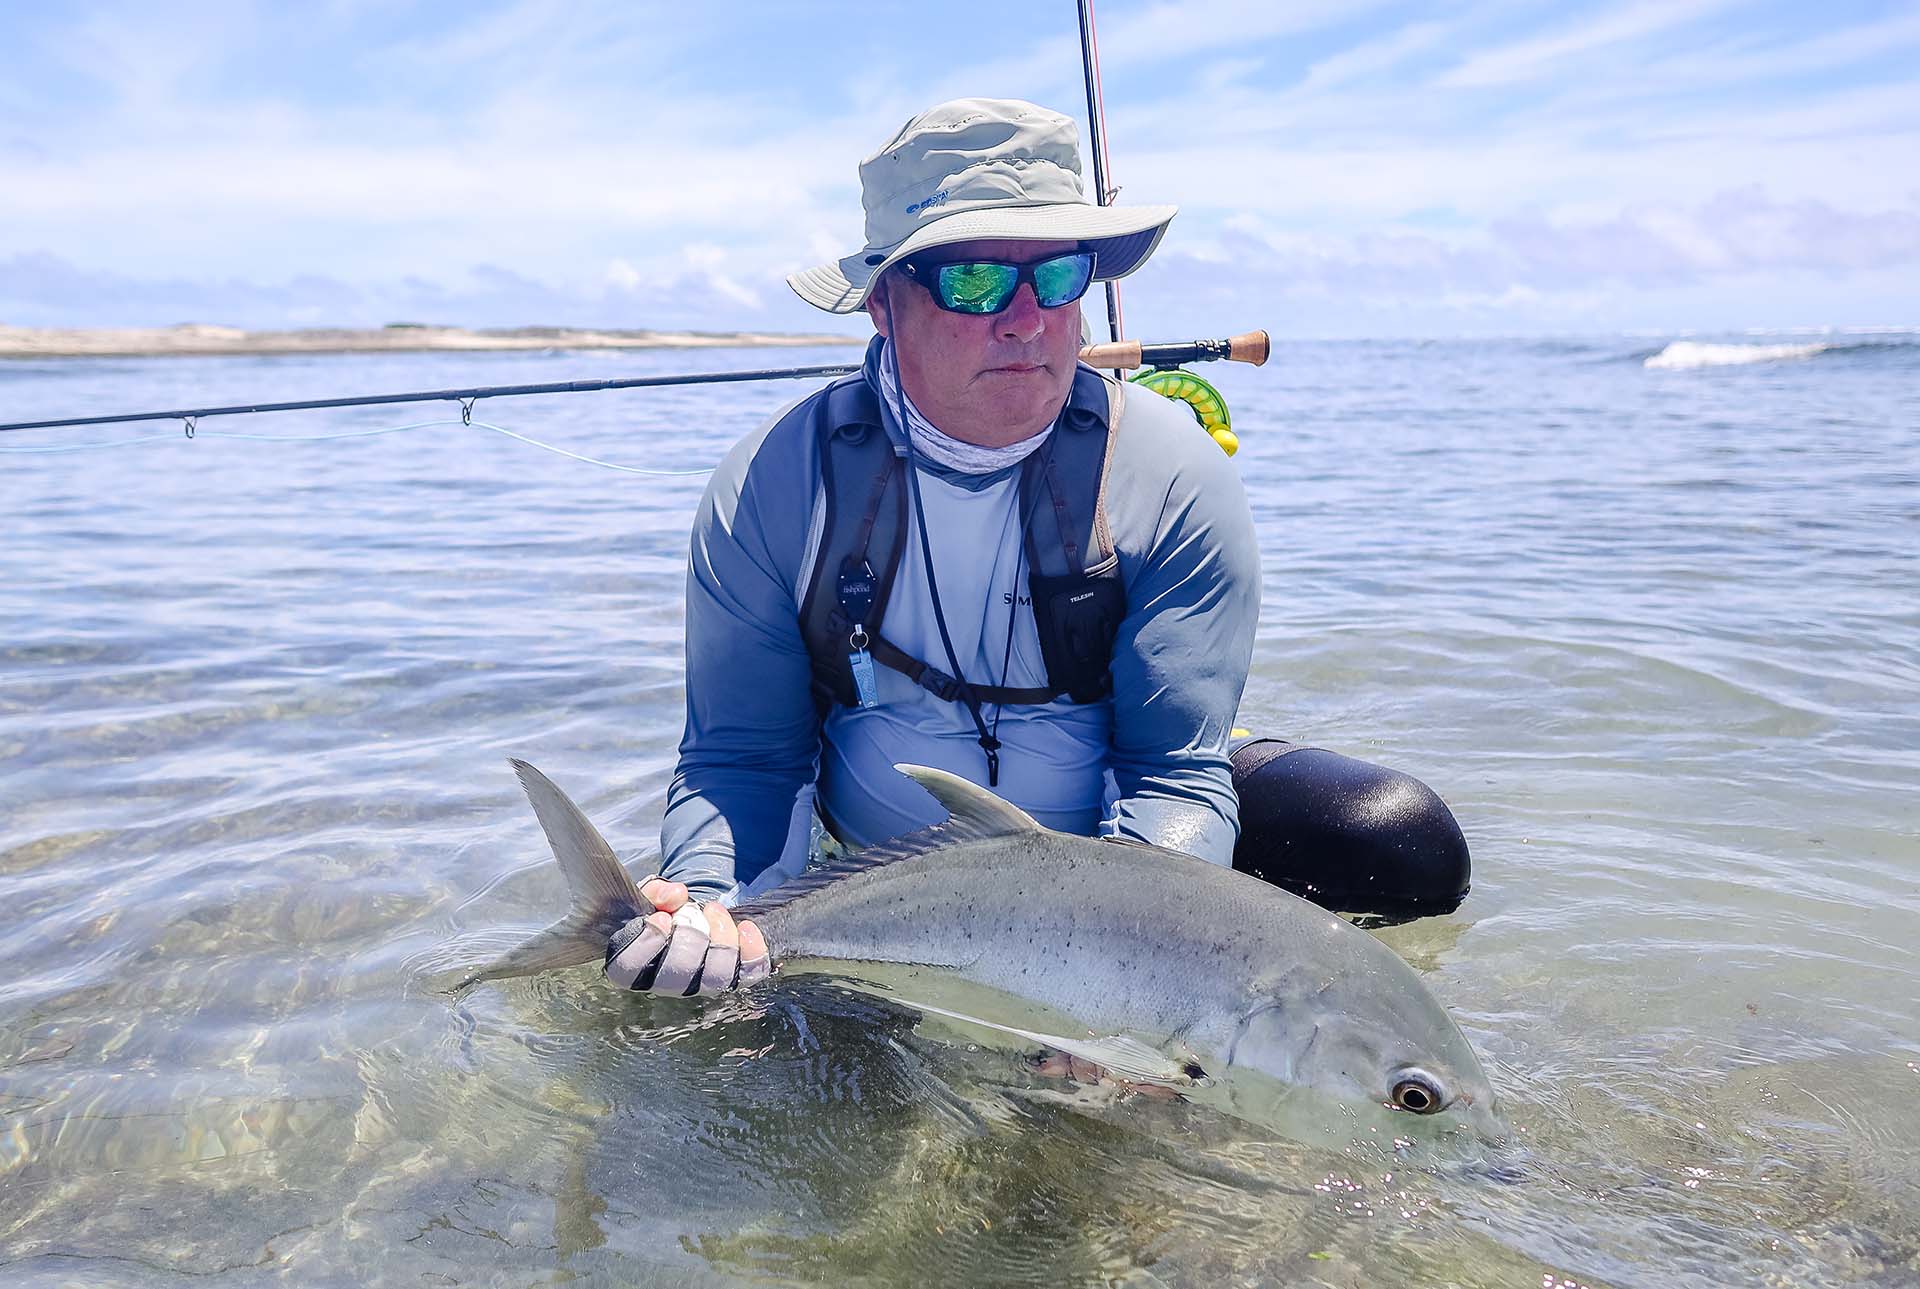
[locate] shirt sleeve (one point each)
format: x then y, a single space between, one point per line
1181 656
749 752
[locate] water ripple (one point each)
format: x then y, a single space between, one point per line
1650 634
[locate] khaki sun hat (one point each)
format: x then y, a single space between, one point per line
977 168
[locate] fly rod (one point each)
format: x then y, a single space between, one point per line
1126 354
465 397
1097 143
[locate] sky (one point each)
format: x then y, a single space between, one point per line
1343 167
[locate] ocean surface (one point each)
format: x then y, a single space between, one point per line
1645 612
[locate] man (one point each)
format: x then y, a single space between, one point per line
976 555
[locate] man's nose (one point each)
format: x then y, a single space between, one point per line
1022 319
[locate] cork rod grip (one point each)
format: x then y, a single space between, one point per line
1253 347
1115 353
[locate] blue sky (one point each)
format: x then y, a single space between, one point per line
1343 168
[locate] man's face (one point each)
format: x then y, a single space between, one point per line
990 379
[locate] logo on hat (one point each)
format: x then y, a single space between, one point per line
937 199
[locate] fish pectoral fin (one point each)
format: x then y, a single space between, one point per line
1120 1055
1127 1059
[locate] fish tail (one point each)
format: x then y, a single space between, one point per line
605 896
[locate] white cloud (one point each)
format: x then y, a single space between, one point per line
45 290
1748 57
609 168
1539 56
1741 232
622 276
1371 57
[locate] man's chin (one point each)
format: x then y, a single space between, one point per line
1042 385
1001 400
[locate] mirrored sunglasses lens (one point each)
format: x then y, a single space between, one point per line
977 288
1063 280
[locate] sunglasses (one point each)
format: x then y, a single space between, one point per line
988 286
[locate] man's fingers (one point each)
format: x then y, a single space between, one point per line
1053 1065
686 954
755 964
752 943
722 965
668 897
1078 1069
699 949
634 948
1081 1070
723 950
722 933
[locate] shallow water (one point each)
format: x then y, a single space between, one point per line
1651 632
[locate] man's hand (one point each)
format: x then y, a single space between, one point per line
684 948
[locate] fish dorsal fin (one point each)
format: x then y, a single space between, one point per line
973 814
975 811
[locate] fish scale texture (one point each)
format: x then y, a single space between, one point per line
1037 917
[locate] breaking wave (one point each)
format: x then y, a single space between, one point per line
1684 355
1689 353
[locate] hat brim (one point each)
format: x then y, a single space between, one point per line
1121 237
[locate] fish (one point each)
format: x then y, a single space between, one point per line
1158 967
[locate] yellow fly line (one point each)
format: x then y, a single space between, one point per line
1200 396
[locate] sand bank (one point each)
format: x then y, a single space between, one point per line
199 339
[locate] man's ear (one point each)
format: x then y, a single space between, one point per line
877 307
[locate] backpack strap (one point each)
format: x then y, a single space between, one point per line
1078 598
865 522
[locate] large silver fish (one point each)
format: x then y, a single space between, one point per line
1158 967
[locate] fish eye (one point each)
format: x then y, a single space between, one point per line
1418 1092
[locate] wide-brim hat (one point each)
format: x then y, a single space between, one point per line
979 168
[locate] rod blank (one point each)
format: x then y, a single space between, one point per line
1252 348
453 395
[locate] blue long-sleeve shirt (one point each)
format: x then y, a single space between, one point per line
1148 763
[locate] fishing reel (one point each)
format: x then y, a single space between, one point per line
1164 374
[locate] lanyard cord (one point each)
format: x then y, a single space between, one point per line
1013 611
988 743
989 740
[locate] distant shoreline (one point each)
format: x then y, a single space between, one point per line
194 339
